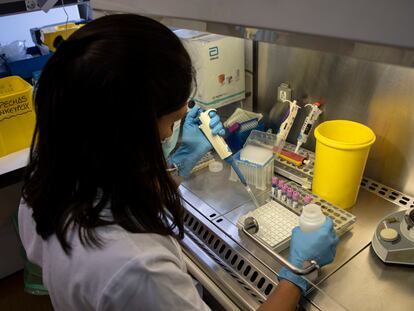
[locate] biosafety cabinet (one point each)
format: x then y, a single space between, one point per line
355 57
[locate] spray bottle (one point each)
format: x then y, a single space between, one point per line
223 150
308 124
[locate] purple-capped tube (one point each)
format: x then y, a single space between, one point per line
289 193
279 189
295 199
274 185
284 191
307 199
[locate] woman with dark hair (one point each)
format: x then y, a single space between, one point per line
101 212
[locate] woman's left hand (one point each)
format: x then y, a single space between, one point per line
194 144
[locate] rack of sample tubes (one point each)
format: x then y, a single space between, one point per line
302 174
275 219
294 197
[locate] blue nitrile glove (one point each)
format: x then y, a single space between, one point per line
194 145
319 245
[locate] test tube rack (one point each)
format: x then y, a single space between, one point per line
342 219
302 174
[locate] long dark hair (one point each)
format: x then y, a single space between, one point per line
96 141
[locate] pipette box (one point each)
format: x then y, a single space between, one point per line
256 175
219 65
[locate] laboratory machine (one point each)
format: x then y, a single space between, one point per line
393 240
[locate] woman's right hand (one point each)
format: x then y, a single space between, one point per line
319 245
194 143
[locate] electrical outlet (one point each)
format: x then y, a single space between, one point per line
44 5
284 92
282 95
31 5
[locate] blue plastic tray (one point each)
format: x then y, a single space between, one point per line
24 68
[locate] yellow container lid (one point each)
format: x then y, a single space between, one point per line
12 86
344 134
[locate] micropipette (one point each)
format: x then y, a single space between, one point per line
223 150
308 124
275 180
288 122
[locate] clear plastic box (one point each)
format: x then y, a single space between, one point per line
256 175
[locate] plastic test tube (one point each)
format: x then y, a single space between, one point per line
295 199
284 190
274 185
289 193
307 199
279 189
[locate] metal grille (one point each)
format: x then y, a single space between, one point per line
258 285
387 193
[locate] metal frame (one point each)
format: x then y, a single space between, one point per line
246 272
206 212
375 43
300 271
10 7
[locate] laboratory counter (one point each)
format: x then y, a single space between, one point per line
243 274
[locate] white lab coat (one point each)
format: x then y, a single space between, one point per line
131 271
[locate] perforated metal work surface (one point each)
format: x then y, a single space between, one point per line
240 274
217 211
387 193
251 279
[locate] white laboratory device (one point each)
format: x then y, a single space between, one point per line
393 240
308 124
288 122
216 141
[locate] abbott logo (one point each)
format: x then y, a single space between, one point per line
213 52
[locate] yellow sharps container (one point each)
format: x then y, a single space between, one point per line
342 149
17 115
